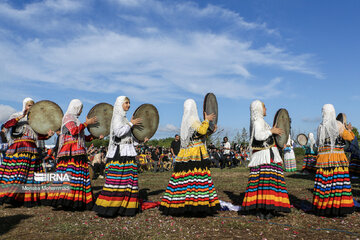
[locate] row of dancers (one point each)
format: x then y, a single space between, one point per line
190 189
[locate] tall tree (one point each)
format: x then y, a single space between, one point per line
244 137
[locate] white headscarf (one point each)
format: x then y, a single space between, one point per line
256 112
190 122
328 128
71 115
23 127
311 141
118 118
18 114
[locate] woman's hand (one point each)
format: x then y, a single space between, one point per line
146 140
215 128
277 131
210 117
135 121
24 114
50 133
349 127
101 137
90 121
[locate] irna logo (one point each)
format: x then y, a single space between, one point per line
52 177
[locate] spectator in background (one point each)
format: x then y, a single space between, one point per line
98 163
175 147
3 142
155 155
216 157
226 153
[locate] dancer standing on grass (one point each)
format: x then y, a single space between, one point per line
120 194
72 160
266 191
332 190
310 155
21 160
289 156
190 189
353 149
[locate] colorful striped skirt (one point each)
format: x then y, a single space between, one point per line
354 167
332 192
266 189
80 196
120 194
190 190
18 170
309 162
289 162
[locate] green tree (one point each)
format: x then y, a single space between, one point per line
98 143
356 132
163 142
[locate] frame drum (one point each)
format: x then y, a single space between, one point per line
103 113
211 106
149 122
302 139
45 115
283 121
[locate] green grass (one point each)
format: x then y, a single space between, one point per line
46 223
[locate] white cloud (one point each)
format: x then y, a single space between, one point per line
5 112
169 128
158 66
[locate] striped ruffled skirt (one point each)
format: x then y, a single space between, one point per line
332 192
266 189
80 196
18 170
309 163
190 190
289 162
120 194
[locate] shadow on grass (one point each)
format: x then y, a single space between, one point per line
301 204
9 222
96 188
236 199
309 177
144 195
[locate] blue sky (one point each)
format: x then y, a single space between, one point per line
296 55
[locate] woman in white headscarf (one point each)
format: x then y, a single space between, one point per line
310 155
120 194
72 160
190 189
21 160
289 156
266 191
332 190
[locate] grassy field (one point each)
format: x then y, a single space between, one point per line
47 223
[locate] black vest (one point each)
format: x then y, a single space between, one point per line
261 144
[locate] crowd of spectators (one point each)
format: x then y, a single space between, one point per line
157 159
